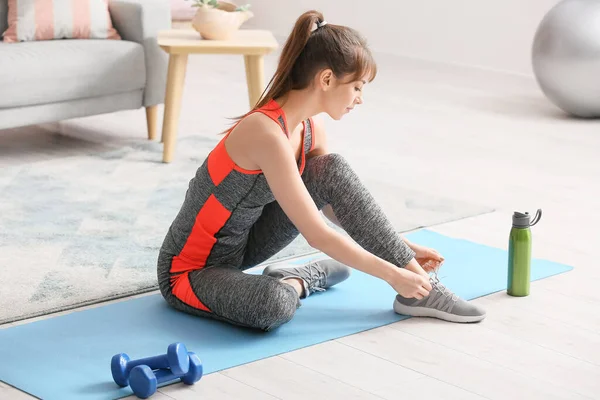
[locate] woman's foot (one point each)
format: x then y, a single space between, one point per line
440 303
316 275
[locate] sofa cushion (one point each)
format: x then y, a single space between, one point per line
58 70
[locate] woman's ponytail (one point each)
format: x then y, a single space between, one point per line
281 82
312 45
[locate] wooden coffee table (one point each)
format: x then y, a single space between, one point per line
179 43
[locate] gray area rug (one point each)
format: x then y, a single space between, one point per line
87 228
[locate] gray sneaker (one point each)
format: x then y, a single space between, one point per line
317 275
440 303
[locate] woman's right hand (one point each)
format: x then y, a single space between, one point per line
410 284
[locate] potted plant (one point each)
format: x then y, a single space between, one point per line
218 20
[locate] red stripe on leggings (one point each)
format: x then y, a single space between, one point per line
183 291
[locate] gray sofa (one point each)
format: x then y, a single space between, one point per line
53 80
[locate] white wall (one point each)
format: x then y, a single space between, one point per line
494 34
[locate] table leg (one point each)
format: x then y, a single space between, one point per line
255 77
151 121
174 91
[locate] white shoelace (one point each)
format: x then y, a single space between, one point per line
435 282
317 277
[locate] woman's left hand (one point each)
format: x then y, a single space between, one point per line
428 258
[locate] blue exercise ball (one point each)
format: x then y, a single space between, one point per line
566 57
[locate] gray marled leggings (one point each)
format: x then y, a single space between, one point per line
263 302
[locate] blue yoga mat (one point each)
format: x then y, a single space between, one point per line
68 357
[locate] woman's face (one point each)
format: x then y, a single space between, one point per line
342 95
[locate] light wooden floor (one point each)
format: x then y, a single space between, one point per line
477 136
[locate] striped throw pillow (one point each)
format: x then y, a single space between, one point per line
30 20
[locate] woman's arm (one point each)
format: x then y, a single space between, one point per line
271 151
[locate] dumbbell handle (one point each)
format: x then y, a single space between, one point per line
163 376
154 362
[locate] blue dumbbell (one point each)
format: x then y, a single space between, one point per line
144 381
176 359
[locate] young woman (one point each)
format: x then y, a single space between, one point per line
266 182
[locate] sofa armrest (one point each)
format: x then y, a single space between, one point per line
140 21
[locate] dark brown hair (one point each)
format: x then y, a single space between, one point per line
309 50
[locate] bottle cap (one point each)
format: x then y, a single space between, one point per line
523 220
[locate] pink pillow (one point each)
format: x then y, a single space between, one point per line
30 20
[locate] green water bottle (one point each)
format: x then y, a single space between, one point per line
519 253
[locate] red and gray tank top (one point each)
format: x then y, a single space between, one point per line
221 204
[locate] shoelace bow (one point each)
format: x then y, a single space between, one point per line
435 282
317 278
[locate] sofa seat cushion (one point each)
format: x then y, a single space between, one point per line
44 72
